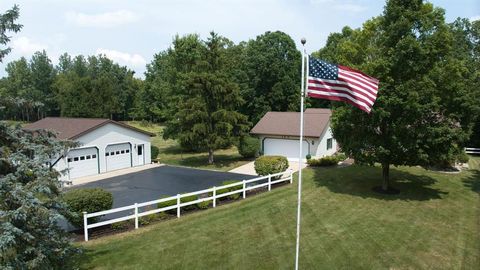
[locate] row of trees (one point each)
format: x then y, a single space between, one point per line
81 87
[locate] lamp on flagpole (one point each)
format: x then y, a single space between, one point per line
300 155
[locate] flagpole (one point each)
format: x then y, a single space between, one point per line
300 155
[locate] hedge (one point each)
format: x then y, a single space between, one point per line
235 196
249 147
86 200
167 204
266 165
154 151
325 161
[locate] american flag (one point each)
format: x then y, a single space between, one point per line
339 83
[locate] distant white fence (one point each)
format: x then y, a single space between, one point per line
284 176
472 151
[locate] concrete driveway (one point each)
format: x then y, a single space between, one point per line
154 183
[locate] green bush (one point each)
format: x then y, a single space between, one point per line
308 156
325 161
221 190
189 199
86 200
154 152
167 204
266 165
249 147
340 156
463 157
122 225
205 204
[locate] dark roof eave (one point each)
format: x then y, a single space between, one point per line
293 135
115 123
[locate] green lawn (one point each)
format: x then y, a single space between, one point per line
172 154
434 223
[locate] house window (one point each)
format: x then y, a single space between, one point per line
329 143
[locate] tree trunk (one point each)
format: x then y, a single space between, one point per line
210 156
386 176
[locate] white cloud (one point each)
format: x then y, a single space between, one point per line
102 20
25 46
134 60
475 18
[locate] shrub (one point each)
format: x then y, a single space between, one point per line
189 199
167 204
86 200
205 204
266 165
463 157
308 157
249 147
325 161
340 156
145 220
122 225
154 152
221 190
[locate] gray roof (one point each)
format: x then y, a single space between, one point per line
288 123
72 128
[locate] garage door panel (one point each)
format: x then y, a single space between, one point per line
82 162
118 156
283 147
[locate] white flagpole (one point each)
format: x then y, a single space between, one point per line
300 155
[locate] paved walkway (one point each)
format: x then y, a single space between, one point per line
249 168
97 177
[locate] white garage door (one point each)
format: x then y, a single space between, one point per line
118 156
283 147
82 162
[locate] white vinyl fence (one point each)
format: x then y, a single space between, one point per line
472 151
266 181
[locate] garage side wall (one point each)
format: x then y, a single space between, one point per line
114 134
322 146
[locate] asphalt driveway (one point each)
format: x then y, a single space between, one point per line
159 182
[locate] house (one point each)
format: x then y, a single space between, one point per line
279 134
105 145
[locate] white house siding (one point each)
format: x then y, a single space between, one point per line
112 134
317 146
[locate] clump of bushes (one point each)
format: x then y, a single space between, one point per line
189 199
340 156
325 161
154 151
462 157
122 225
167 204
249 147
86 200
266 165
221 190
205 204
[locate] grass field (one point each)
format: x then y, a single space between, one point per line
434 223
172 154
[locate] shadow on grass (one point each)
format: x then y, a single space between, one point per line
359 180
473 181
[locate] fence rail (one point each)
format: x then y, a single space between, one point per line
472 150
212 195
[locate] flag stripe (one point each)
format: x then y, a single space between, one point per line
346 90
339 83
351 86
356 78
331 96
356 102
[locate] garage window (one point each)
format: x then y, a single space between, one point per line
127 151
117 153
107 154
112 153
82 158
94 156
69 159
89 157
329 144
123 152
75 159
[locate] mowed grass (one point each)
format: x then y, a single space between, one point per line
172 154
434 223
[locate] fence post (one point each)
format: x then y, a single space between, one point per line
214 196
178 205
136 216
244 189
85 224
269 182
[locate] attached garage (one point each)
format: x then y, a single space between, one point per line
82 162
118 156
284 147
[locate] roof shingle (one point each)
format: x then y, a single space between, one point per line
288 123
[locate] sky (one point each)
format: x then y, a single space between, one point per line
131 32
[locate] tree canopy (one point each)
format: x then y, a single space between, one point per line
8 24
427 100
